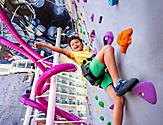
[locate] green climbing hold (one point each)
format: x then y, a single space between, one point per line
102 118
96 97
109 123
101 104
84 32
81 30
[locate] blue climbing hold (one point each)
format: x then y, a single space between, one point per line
113 2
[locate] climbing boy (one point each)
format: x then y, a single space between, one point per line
99 70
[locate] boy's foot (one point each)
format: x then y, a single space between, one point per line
125 85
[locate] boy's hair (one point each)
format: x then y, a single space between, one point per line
73 37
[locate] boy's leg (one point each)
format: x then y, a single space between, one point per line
118 105
97 69
106 57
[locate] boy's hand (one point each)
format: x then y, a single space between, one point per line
38 45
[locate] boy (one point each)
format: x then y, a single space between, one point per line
109 81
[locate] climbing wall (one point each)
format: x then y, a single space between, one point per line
11 88
143 58
99 111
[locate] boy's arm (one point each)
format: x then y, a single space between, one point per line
53 48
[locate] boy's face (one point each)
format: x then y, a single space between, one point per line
76 45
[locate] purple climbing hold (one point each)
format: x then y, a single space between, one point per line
85 1
73 1
108 38
92 17
111 107
146 90
92 33
100 19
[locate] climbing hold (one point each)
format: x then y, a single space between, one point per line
96 110
92 33
73 1
83 41
102 118
85 1
113 2
81 14
92 17
93 91
79 24
86 98
112 107
146 90
100 19
101 104
96 97
94 50
124 39
84 33
108 38
109 123
81 30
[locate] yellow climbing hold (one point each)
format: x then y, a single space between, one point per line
96 110
93 91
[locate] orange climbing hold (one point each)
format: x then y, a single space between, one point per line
124 39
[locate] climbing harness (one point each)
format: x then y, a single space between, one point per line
87 73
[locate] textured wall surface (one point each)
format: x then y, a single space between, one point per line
11 88
144 56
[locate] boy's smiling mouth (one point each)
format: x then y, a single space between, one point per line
76 47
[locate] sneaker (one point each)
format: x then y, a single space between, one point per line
125 86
